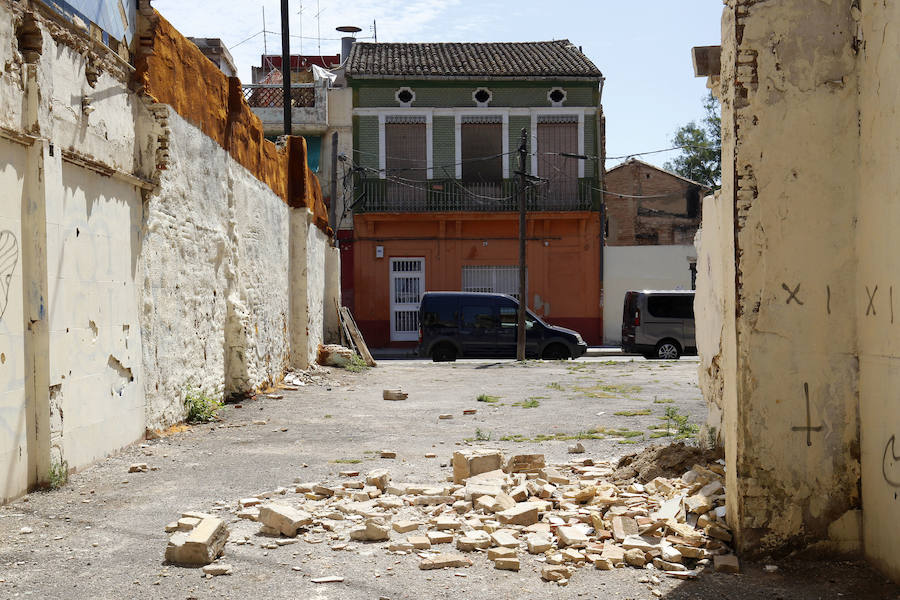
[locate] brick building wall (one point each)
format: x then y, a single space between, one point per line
646 205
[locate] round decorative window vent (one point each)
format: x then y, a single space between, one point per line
405 96
482 96
557 96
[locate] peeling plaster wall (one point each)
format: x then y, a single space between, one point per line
95 374
713 305
215 312
138 253
70 229
879 265
790 154
640 268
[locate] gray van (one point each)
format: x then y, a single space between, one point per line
659 324
474 324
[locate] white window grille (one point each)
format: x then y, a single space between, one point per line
407 287
496 279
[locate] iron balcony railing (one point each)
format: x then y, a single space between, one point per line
303 95
452 195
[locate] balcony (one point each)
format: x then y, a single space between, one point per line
309 105
452 195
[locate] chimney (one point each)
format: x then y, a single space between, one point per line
347 41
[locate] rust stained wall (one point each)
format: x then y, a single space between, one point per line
172 70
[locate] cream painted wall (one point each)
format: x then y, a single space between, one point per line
640 268
879 265
713 305
790 155
13 408
95 372
307 326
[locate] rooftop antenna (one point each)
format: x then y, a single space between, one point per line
265 45
300 12
375 30
319 25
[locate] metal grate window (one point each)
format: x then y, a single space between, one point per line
496 279
407 287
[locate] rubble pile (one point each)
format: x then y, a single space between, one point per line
565 517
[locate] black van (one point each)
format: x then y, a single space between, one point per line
471 324
659 324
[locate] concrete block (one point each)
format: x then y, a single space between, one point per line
467 463
523 513
285 519
202 545
571 536
444 561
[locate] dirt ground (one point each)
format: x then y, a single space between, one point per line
102 535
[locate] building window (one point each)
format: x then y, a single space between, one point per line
482 97
557 136
481 145
405 161
405 96
557 96
496 279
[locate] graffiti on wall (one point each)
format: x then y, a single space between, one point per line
809 428
9 256
890 468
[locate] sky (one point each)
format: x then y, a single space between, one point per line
643 47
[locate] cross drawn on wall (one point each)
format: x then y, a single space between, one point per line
809 428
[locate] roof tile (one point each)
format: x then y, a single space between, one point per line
559 58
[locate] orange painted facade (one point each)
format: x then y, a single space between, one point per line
563 256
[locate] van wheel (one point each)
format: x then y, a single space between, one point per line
667 350
443 353
555 352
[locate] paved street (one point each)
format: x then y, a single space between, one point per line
102 535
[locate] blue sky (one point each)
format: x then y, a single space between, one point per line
643 47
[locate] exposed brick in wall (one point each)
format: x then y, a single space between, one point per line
667 211
171 70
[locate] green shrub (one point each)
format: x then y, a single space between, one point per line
356 364
200 407
59 474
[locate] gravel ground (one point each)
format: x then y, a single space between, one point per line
101 536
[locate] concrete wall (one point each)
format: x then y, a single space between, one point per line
71 222
792 223
14 440
215 307
791 153
879 264
713 304
640 268
153 257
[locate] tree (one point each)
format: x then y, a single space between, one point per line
701 154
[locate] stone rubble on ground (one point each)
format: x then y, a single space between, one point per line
564 517
334 355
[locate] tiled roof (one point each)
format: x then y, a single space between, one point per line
559 58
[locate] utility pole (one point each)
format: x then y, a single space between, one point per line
286 65
523 286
